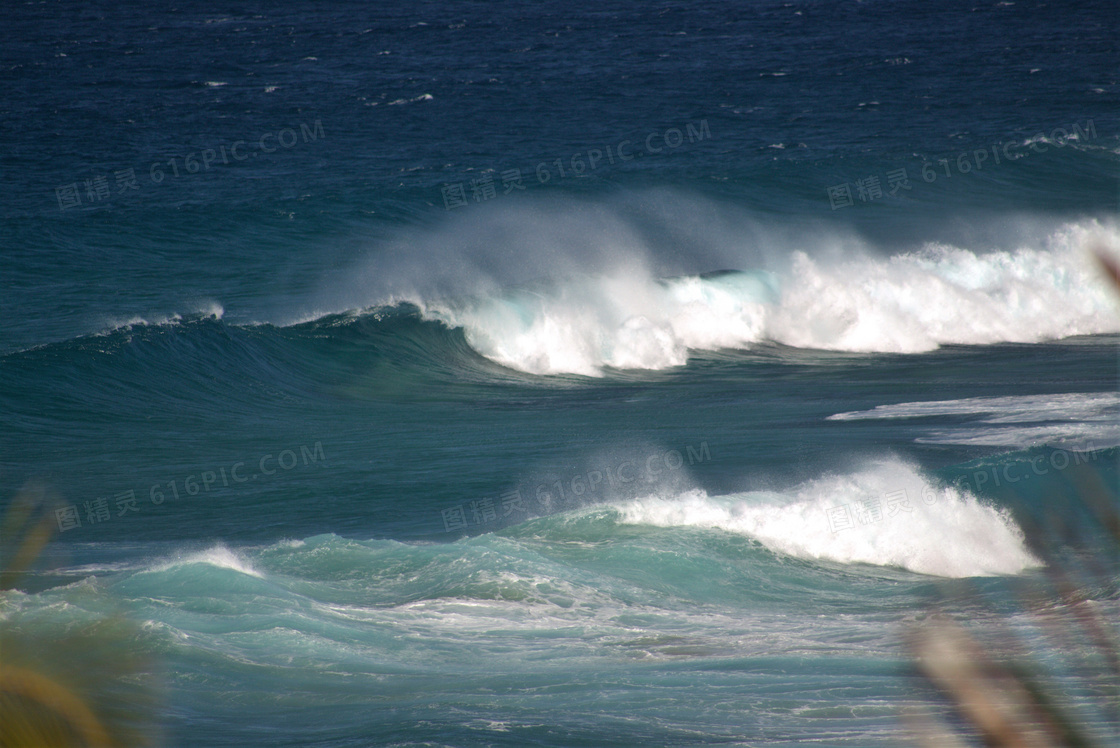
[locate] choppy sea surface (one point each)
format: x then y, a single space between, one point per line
558 374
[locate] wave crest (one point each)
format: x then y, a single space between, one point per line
908 303
887 514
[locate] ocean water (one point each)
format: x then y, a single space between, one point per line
558 374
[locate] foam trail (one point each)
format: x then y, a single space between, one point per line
887 514
1074 420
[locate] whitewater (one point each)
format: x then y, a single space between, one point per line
911 302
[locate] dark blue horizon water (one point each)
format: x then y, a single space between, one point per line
550 374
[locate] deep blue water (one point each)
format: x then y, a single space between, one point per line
382 366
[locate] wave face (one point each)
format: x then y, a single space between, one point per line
909 302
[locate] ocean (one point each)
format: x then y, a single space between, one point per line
557 374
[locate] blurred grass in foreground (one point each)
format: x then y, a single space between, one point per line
65 682
1006 693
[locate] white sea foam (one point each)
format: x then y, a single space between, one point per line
421 97
916 302
624 322
887 514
